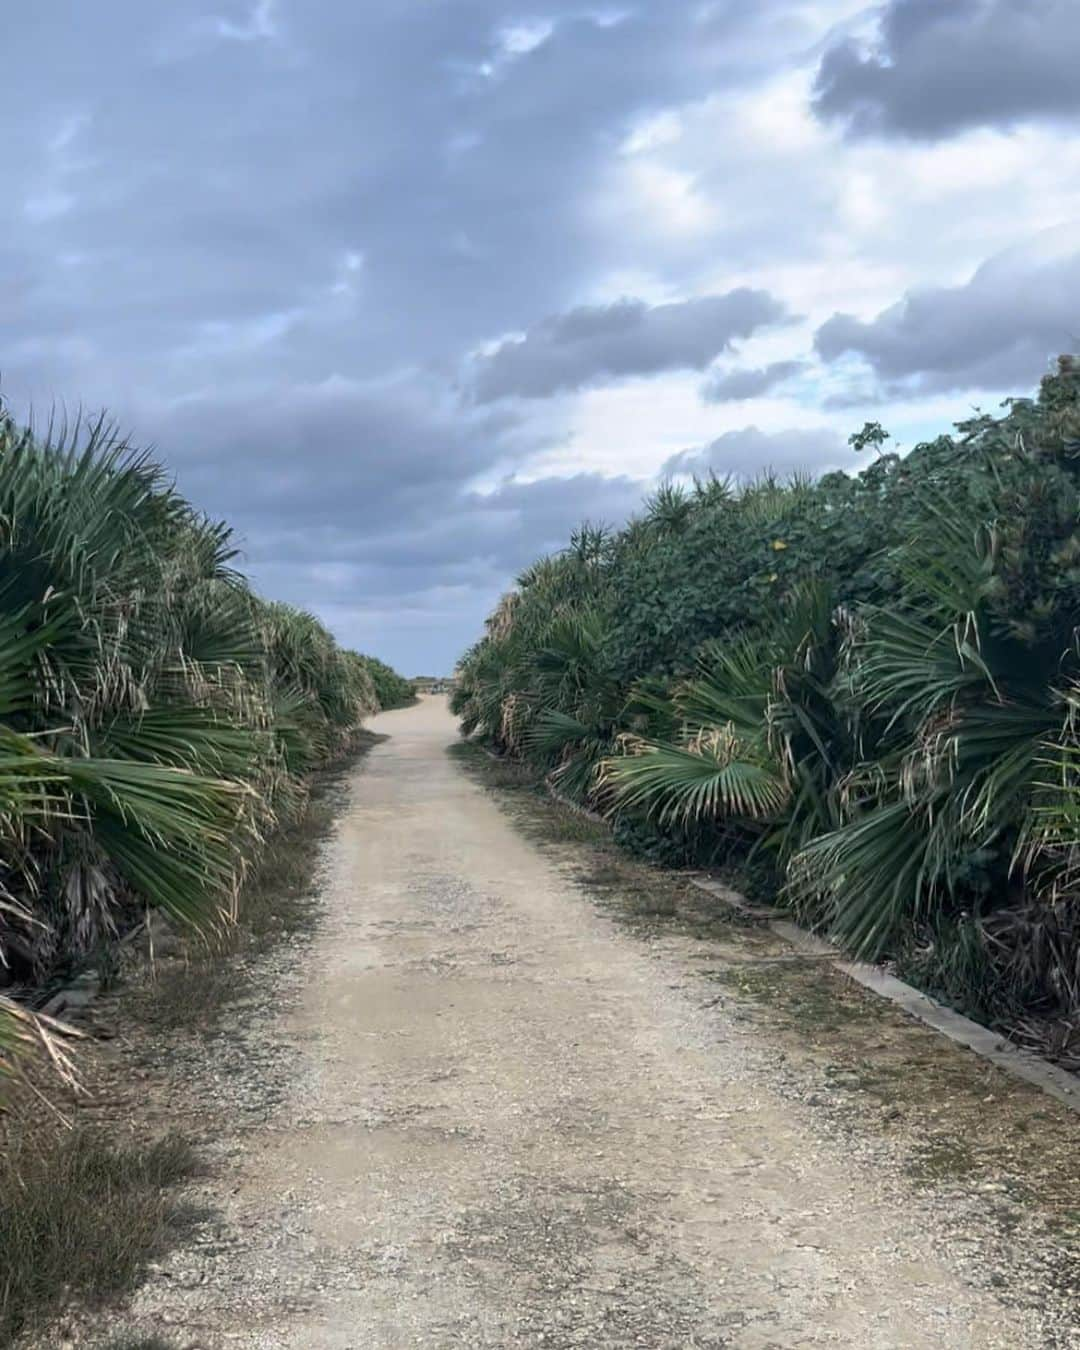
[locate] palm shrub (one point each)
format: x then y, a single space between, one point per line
391 690
932 824
156 717
542 654
571 705
754 740
955 816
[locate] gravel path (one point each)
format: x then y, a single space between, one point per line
508 1122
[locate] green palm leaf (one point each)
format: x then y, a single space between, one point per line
685 786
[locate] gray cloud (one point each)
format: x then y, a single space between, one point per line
266 233
997 331
731 386
571 350
749 452
429 575
338 454
939 68
259 231
358 499
502 529
198 185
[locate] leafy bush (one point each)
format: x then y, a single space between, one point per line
870 682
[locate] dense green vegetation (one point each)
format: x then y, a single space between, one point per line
391 689
863 693
157 719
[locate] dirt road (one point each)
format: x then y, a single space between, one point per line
511 1124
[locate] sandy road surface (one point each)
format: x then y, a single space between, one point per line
510 1126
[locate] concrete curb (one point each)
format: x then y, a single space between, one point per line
574 808
1055 1081
73 997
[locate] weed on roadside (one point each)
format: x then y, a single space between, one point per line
140 1342
635 893
81 1215
520 786
498 774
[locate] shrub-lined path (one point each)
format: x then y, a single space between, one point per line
512 1122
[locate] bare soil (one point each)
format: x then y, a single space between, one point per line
517 1090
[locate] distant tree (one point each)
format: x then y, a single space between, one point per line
872 434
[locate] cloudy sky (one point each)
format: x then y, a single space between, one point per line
405 288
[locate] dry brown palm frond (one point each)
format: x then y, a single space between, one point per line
515 711
24 1034
501 620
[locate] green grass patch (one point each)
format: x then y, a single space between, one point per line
555 824
801 994
81 1215
497 773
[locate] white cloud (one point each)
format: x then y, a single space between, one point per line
635 427
511 43
260 24
68 131
348 273
294 239
747 187
667 200
57 172
48 206
521 38
654 132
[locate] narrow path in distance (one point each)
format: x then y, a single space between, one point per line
513 1124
